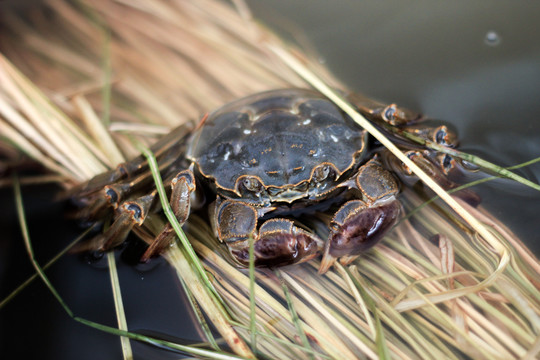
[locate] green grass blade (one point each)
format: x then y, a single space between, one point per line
152 163
28 281
200 317
252 305
527 163
382 349
26 236
210 354
212 299
294 315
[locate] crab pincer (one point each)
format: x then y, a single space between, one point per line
361 223
277 242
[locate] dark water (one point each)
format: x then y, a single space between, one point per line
476 66
34 325
438 58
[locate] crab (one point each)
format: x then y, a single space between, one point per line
259 163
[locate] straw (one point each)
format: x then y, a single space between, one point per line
450 281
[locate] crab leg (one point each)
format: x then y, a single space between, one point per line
356 227
182 188
166 150
359 224
112 196
130 213
441 168
278 241
391 114
98 203
404 120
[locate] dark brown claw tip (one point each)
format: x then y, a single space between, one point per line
363 229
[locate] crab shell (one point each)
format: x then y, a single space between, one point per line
278 146
286 152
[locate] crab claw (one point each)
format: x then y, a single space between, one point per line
278 241
357 227
326 262
282 243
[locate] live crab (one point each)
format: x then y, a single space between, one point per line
257 163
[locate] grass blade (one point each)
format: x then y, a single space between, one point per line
294 315
382 348
209 293
98 131
252 305
28 281
152 163
200 317
184 348
28 245
119 305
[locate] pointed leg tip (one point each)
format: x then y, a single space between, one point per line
326 262
347 260
146 257
94 244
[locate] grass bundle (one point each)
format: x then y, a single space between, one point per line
109 77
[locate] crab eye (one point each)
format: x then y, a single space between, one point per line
389 113
447 163
252 184
321 172
444 136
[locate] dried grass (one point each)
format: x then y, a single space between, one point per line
106 72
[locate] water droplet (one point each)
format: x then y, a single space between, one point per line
492 38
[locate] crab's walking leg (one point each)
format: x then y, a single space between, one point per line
402 119
166 148
134 212
130 213
440 167
182 188
391 114
359 224
277 242
114 194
